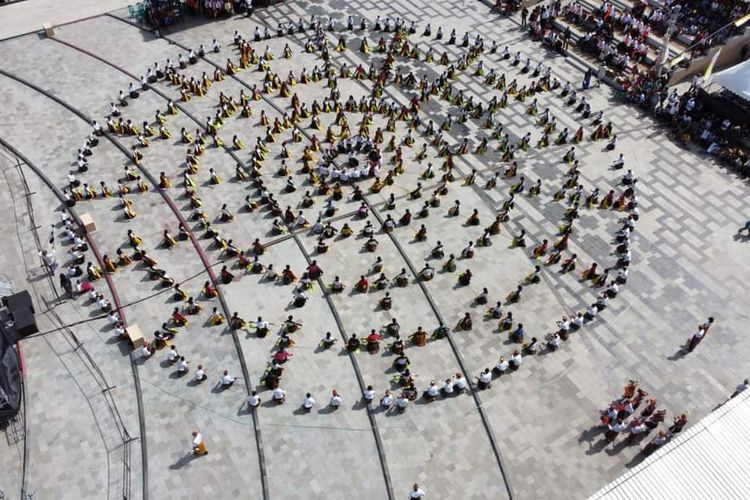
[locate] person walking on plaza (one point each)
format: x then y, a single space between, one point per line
199 446
49 259
600 74
699 334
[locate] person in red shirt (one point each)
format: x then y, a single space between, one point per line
362 284
282 356
314 271
178 318
209 290
288 276
373 342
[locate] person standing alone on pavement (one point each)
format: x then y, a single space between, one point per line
600 74
699 334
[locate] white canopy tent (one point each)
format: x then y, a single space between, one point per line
736 79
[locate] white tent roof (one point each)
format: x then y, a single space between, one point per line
736 79
706 461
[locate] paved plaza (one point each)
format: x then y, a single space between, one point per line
103 420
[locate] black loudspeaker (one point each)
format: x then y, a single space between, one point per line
22 311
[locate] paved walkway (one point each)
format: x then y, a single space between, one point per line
687 266
29 15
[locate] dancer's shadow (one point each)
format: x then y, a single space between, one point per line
681 353
183 461
598 447
588 435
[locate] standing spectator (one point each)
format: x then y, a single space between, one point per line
587 79
524 15
600 74
66 285
49 259
566 37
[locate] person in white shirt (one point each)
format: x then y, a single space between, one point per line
113 317
554 342
336 399
563 326
146 351
387 400
432 392
622 276
696 339
368 395
308 403
402 402
253 401
172 355
200 374
279 395
447 389
484 379
227 380
261 327
459 383
182 366
602 302
578 321
198 446
516 359
416 493
427 272
591 312
501 367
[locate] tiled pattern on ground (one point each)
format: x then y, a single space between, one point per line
687 266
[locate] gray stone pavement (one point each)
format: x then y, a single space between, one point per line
687 266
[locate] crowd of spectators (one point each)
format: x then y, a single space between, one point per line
619 41
690 117
600 39
692 121
621 37
698 19
163 13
